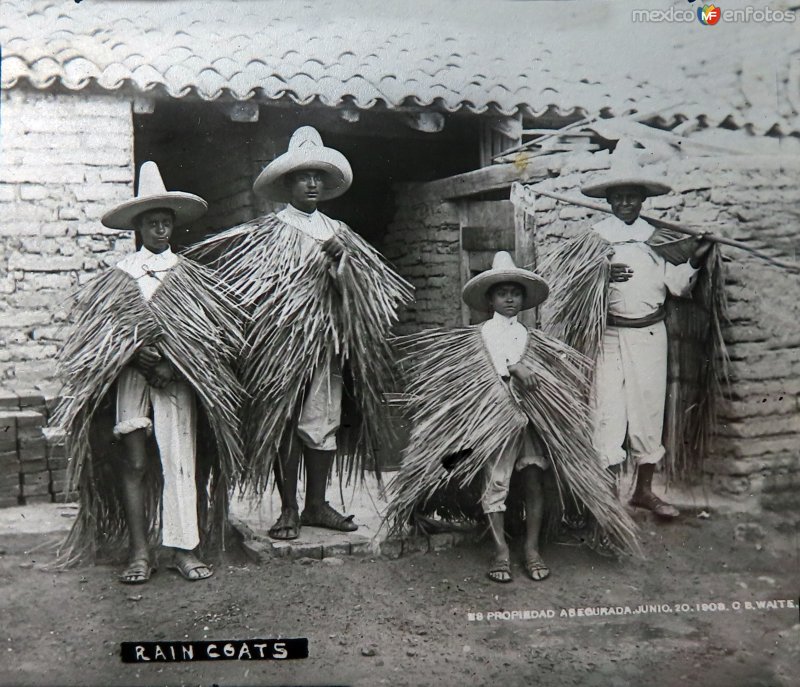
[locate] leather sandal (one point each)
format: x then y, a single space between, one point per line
287 526
500 571
536 568
325 516
138 571
186 564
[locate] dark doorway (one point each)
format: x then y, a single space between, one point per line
199 149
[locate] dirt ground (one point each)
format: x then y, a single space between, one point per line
410 616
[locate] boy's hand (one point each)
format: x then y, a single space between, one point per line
524 375
161 375
333 248
700 253
146 357
619 272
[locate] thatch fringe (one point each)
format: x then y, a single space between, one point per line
577 272
304 314
459 406
194 322
698 360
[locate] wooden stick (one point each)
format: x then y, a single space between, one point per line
586 121
553 132
664 224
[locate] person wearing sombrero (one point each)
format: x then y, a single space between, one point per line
612 292
150 400
493 399
322 303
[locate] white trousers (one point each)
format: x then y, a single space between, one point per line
516 453
174 422
322 409
629 391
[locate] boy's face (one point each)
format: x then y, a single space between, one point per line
155 228
626 202
506 299
305 187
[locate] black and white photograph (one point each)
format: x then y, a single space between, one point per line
416 342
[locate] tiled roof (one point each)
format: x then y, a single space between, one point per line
482 56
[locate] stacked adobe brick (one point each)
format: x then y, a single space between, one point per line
33 467
66 159
423 244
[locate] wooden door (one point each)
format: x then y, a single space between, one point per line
488 226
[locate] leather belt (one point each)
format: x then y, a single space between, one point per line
637 322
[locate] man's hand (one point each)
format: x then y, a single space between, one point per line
700 253
524 375
619 272
333 248
161 375
147 357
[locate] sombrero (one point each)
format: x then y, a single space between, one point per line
504 270
625 170
306 151
152 195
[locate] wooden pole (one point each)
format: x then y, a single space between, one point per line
664 224
525 254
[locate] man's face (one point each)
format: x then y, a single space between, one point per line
155 228
506 299
305 187
626 202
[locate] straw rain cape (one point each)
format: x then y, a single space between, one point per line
577 271
459 406
195 324
303 316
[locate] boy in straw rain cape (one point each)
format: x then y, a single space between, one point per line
609 300
155 337
496 398
322 303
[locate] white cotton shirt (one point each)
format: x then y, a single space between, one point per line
646 291
148 269
315 226
505 339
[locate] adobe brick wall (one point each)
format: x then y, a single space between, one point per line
423 244
66 160
755 200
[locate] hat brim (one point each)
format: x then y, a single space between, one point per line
599 188
186 206
338 173
475 290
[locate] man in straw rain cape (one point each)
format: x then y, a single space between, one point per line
610 301
496 398
323 302
154 336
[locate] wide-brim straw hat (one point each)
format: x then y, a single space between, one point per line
503 271
306 151
153 195
626 170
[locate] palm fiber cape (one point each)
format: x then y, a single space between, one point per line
195 324
459 406
577 271
305 313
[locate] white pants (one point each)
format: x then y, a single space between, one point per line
516 454
629 391
174 421
322 409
